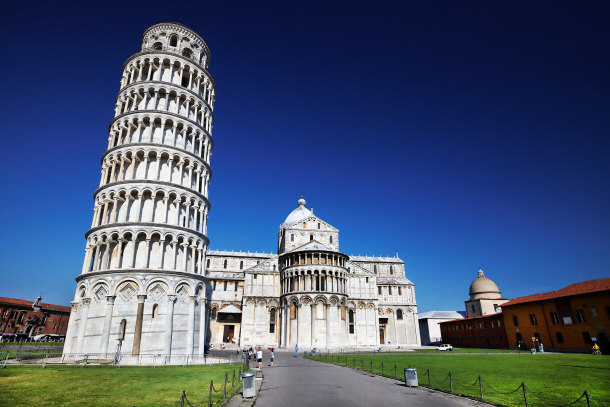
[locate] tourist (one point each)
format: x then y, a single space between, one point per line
296 350
271 356
259 358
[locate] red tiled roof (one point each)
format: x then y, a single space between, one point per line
471 318
586 287
15 301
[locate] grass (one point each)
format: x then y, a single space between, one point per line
112 386
549 379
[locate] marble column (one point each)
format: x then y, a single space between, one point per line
107 323
84 314
169 324
137 336
190 334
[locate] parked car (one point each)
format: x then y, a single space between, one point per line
445 346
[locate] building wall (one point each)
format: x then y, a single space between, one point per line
563 323
486 331
17 316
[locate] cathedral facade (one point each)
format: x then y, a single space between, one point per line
149 284
310 293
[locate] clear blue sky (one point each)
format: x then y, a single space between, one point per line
460 134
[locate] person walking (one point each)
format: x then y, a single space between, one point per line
271 356
259 358
296 350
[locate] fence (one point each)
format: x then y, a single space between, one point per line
479 389
83 359
209 399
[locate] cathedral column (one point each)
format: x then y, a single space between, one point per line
69 342
107 323
327 326
169 324
312 310
203 326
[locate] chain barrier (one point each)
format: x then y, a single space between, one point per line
222 389
584 395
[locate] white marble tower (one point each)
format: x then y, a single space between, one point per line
142 284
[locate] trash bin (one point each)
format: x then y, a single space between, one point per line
411 377
313 351
533 350
248 384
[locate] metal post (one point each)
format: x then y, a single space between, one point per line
382 368
224 394
371 366
361 364
587 397
450 383
480 387
394 369
210 393
233 381
428 373
182 399
524 395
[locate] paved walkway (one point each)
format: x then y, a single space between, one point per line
303 382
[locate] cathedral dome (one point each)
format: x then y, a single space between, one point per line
483 287
301 212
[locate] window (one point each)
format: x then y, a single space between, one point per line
480 325
272 320
485 324
235 287
208 264
516 321
533 319
225 286
21 316
44 319
255 275
122 329
225 264
399 290
292 237
379 290
375 269
554 318
399 314
331 239
390 290
310 238
173 40
492 324
155 310
499 323
213 284
586 337
187 53
318 225
580 316
241 265
594 312
157 45
559 336
213 313
367 279
391 270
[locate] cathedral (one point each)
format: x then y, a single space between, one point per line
150 286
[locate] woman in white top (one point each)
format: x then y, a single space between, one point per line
259 358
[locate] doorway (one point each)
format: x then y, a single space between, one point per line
229 331
381 336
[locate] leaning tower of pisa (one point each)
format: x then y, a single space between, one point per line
142 288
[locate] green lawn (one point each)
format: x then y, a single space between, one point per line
111 386
549 379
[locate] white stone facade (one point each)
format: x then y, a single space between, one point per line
142 284
310 294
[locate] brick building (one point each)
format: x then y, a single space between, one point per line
486 331
32 318
569 319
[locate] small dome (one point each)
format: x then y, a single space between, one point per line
483 287
301 212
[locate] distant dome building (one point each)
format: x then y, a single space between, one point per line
485 296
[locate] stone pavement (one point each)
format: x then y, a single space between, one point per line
302 382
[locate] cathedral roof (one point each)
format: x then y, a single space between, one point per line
301 212
393 281
376 259
441 315
314 245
